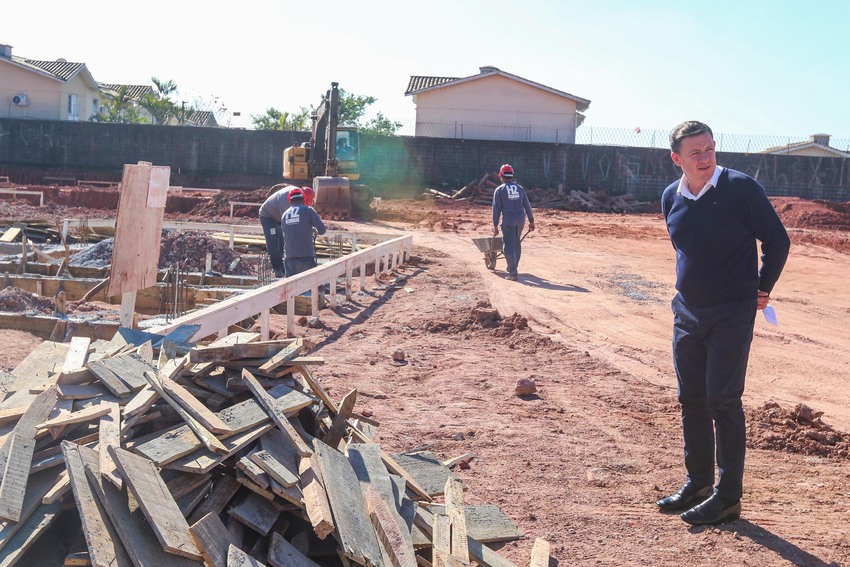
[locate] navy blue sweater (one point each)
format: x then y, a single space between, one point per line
511 203
715 241
298 222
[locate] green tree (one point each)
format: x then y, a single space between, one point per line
159 102
119 108
352 107
274 119
381 125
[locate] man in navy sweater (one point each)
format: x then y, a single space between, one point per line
511 203
298 222
714 217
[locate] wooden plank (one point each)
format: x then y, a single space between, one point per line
58 491
340 420
426 469
441 538
129 521
315 498
238 558
277 445
353 527
81 391
284 355
130 368
195 407
109 429
204 435
109 379
455 512
253 471
188 502
284 554
398 548
105 548
224 488
540 553
203 460
90 413
365 459
11 234
276 414
16 455
179 441
264 349
256 512
184 483
486 523
212 539
77 353
38 485
156 502
229 340
141 402
12 414
31 530
274 468
482 554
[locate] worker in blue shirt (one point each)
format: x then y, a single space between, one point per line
298 223
715 217
511 203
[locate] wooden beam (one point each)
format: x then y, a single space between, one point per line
284 355
315 498
195 407
340 421
280 419
540 553
454 510
284 554
238 558
212 539
90 413
256 512
399 549
222 491
77 354
156 502
109 429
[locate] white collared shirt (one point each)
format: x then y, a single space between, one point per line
685 192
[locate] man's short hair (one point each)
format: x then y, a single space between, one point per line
686 130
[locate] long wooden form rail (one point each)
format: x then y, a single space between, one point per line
216 318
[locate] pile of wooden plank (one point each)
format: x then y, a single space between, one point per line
164 452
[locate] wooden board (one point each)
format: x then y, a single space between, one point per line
315 498
256 512
203 460
482 554
109 429
77 354
29 532
279 447
102 539
156 502
130 368
129 521
486 523
340 420
353 527
238 558
16 455
220 353
540 553
284 554
213 539
395 541
457 517
427 469
138 229
179 441
38 486
195 407
277 415
109 379
224 488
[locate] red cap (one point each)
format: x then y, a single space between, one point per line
309 196
506 171
295 193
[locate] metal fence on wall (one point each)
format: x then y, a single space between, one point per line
606 136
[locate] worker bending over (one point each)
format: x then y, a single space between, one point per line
271 212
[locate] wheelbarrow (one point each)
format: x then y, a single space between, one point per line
493 248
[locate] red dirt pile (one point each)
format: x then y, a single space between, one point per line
796 431
219 206
15 300
190 248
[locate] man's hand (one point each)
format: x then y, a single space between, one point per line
495 231
763 299
530 226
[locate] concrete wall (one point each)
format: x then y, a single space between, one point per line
246 159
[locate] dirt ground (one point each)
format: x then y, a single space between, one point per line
581 462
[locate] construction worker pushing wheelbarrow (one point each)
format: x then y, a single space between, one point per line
511 205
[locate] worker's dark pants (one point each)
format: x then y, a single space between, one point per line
274 241
298 264
512 246
710 351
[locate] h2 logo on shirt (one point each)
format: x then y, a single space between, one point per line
291 216
513 191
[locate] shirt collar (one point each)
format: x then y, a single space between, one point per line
683 185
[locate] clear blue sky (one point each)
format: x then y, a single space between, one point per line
751 67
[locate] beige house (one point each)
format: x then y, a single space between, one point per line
494 105
46 90
816 146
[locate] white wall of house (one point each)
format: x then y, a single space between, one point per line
495 108
813 150
47 98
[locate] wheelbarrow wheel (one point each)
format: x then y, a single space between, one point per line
490 260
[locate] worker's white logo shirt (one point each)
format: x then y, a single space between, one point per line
291 216
512 191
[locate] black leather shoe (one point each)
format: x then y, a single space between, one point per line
686 497
713 511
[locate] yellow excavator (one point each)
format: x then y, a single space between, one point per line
328 161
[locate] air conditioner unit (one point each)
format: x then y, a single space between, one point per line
20 100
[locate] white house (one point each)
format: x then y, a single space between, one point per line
47 90
494 105
817 146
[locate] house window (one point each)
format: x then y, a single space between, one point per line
95 105
73 107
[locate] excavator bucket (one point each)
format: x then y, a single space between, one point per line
333 195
